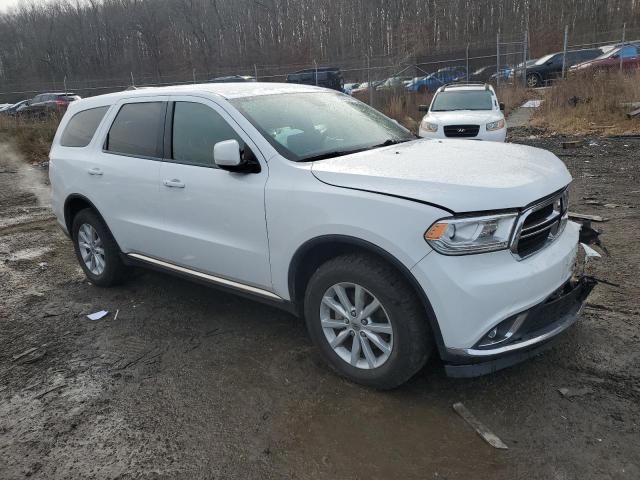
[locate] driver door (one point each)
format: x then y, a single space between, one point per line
214 220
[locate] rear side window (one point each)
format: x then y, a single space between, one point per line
196 129
138 130
82 127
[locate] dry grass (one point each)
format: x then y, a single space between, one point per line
588 104
31 137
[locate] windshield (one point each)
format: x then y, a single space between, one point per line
313 126
545 59
462 100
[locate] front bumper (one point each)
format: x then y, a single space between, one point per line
542 323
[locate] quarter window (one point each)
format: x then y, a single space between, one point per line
196 129
82 127
138 130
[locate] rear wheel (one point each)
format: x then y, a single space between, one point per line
367 321
96 249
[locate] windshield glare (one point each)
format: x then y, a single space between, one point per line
462 100
303 126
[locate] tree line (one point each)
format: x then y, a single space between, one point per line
104 41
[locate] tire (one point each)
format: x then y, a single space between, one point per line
411 341
112 270
533 80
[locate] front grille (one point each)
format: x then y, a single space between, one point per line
540 225
461 131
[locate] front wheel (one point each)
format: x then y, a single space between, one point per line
533 80
367 321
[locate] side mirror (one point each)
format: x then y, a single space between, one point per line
502 107
226 155
423 108
615 55
549 62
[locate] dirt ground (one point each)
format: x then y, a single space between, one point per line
190 383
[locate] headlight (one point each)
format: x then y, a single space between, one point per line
495 125
429 127
465 236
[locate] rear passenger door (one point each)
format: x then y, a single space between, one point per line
123 175
214 219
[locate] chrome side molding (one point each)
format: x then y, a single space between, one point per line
205 276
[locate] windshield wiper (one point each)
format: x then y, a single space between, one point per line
337 153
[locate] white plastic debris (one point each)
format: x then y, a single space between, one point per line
590 252
97 315
532 104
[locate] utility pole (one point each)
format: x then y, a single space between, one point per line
564 50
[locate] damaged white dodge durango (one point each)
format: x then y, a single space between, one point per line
394 249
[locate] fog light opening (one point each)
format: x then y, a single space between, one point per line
502 332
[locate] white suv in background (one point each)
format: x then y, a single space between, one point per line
464 111
393 249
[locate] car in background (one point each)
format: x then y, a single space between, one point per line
549 67
464 111
233 79
4 106
350 87
10 111
393 83
483 74
327 77
47 104
610 60
432 82
364 87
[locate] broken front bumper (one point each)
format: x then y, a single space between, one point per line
536 327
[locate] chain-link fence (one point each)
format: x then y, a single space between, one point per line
501 60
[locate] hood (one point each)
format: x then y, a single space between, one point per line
458 175
465 117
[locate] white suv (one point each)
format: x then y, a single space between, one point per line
394 249
467 110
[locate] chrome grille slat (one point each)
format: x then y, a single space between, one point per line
544 227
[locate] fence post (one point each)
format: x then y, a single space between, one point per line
316 67
624 31
65 84
564 50
467 62
524 57
255 71
194 75
369 81
498 59
133 83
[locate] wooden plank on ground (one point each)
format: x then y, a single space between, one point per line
486 434
584 216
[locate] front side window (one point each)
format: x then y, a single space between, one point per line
462 100
317 125
138 130
196 129
82 127
628 52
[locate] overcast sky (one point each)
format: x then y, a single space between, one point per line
6 4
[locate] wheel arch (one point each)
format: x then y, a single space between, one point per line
313 253
75 203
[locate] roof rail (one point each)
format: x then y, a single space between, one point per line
465 84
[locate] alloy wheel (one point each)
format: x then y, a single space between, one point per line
356 326
91 249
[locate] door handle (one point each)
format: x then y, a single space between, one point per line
175 183
95 171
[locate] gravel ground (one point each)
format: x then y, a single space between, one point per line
191 383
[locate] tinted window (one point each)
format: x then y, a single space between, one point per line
137 130
196 129
82 126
